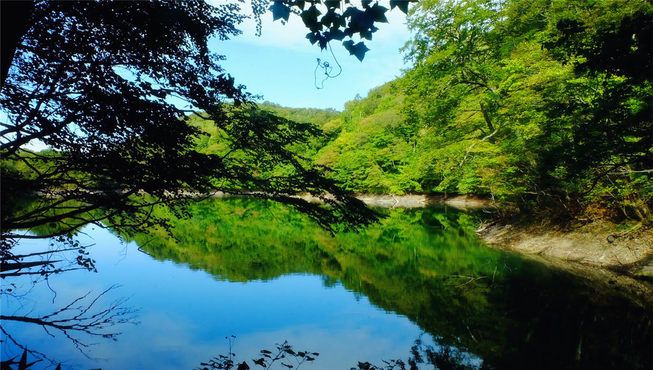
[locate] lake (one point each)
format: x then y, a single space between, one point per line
250 274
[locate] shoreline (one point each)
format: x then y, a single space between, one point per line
609 260
462 202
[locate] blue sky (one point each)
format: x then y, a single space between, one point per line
280 64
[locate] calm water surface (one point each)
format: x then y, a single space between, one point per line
265 274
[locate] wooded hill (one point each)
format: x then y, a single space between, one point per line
536 103
541 104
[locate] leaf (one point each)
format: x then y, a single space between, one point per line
332 19
378 13
260 362
335 35
401 4
358 49
310 19
362 21
243 366
312 38
280 10
351 11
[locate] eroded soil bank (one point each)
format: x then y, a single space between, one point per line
462 202
613 260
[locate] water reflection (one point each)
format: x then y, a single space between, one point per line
439 357
425 265
353 297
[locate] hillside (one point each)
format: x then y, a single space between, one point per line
504 103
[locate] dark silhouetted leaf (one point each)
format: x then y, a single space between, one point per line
260 362
358 49
310 19
378 12
280 10
401 4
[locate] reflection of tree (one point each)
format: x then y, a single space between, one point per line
283 354
421 354
45 262
80 321
420 264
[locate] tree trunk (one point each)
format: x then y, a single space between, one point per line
486 116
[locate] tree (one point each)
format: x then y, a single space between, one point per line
94 81
543 103
605 115
476 89
81 320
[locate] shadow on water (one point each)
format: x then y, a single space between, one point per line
424 264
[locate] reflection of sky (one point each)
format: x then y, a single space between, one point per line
185 315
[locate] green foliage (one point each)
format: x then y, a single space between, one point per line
534 103
98 95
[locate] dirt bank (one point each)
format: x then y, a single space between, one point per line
462 202
612 259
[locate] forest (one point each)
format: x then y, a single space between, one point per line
541 105
204 212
